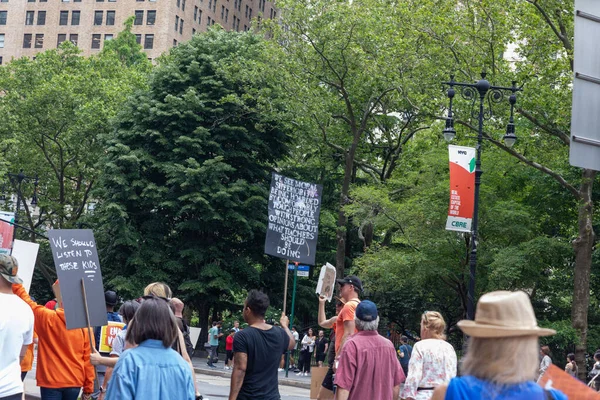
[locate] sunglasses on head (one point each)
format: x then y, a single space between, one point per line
151 296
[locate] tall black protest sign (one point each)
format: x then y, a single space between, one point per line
76 259
293 228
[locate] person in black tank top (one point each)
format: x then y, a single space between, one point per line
257 350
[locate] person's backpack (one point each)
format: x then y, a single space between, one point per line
187 340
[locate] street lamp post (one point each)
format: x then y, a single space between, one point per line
493 94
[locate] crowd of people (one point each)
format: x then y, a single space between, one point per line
150 357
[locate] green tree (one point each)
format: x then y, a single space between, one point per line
186 175
55 110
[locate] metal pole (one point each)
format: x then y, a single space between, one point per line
478 172
285 286
292 314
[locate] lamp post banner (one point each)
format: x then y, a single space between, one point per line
7 231
293 228
462 188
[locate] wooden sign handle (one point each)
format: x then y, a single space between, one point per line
287 264
89 328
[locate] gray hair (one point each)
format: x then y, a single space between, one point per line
366 325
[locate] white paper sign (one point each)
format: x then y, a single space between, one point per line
194 335
326 284
26 254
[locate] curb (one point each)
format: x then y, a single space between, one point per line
282 381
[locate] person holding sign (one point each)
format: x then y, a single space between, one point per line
63 366
152 369
16 331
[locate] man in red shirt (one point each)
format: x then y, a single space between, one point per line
368 367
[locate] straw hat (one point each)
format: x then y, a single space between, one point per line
504 314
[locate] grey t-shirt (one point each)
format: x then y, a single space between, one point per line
118 346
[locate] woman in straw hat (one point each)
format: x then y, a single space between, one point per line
433 360
502 356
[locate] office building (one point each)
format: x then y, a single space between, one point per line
31 26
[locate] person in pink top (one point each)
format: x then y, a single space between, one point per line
368 367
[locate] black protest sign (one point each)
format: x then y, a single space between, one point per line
293 228
76 258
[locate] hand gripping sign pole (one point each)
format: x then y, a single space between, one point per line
89 328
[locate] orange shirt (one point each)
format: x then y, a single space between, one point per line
27 363
347 314
63 355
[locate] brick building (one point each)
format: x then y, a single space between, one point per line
30 26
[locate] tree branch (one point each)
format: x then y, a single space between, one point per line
553 131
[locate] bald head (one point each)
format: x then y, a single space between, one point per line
178 306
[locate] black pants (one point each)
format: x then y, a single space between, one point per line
305 359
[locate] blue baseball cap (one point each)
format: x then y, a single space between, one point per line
366 311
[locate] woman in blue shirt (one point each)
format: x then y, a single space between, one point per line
152 370
502 356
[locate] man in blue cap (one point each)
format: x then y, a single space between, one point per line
368 366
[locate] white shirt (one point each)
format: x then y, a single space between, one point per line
432 363
16 330
296 336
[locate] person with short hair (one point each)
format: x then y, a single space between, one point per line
433 360
16 330
545 362
501 362
152 369
321 345
110 300
256 352
213 341
350 289
60 349
404 352
368 367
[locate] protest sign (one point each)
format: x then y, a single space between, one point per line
462 188
556 378
108 333
293 228
7 231
26 254
317 374
194 335
76 260
326 284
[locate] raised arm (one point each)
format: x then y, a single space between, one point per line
322 319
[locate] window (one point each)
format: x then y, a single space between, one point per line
182 5
3 1
41 18
96 40
65 1
27 40
76 1
207 21
181 27
61 38
174 42
3 16
178 3
108 36
149 41
110 17
235 4
138 38
247 10
31 1
98 16
215 6
150 17
193 31
0 60
240 5
99 1
39 41
110 1
64 18
226 14
75 15
250 15
195 12
237 26
176 23
74 38
29 17
1 40
199 16
222 12
139 17
209 4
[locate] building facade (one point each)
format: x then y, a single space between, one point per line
28 27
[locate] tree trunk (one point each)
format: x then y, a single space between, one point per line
203 309
583 247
